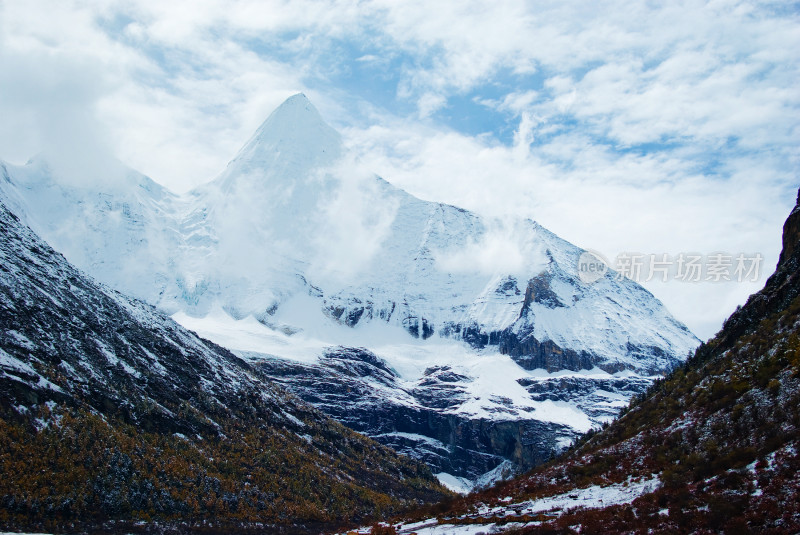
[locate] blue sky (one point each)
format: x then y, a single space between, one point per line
620 125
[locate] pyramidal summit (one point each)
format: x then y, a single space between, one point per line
386 312
292 141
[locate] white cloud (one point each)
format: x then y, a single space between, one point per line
429 103
504 249
661 127
605 201
355 221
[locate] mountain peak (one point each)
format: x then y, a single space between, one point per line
292 140
297 108
791 233
298 99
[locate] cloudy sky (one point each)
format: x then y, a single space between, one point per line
623 126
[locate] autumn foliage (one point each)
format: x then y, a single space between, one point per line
70 467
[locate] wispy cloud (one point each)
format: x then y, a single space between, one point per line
504 249
354 222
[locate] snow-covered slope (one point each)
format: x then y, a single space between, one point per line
294 249
122 231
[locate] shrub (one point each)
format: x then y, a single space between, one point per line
381 529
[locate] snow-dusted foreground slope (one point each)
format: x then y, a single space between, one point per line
111 411
530 513
303 251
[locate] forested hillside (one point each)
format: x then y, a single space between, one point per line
112 414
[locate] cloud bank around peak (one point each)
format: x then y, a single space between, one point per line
660 127
354 221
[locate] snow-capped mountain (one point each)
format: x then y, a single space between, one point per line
294 250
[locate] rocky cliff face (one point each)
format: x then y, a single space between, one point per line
791 234
422 419
358 389
780 290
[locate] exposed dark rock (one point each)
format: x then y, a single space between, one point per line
357 388
531 354
781 288
539 291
